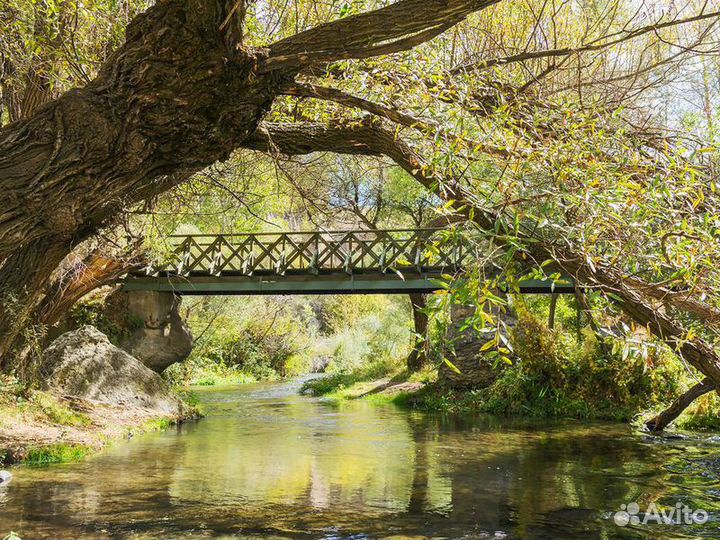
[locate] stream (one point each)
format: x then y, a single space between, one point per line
267 462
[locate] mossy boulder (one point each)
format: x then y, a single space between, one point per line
84 364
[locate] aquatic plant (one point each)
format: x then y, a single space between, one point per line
56 453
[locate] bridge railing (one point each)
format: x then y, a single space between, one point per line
357 251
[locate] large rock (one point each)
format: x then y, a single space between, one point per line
476 370
155 332
83 363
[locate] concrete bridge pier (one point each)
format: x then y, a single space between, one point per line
156 333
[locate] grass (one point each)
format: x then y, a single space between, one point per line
335 384
401 399
209 374
16 399
216 379
156 424
56 453
27 413
364 383
47 406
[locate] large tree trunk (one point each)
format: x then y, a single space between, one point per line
179 95
173 99
24 274
418 356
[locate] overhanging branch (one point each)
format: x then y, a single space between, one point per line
426 127
397 27
372 138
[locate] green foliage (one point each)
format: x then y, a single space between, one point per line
559 375
56 453
702 414
336 382
156 424
92 310
565 373
364 331
204 372
248 339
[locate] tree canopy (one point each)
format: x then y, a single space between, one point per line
573 137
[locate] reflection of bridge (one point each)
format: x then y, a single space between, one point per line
335 262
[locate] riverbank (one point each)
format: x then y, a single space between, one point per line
423 391
39 427
267 462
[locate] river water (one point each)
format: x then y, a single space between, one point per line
269 463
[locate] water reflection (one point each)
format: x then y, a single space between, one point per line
269 463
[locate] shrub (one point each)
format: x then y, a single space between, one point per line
557 374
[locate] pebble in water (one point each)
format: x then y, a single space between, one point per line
5 478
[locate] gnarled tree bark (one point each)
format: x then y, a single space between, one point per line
179 95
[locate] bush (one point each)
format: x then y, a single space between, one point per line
565 373
558 375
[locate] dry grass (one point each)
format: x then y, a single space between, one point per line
35 423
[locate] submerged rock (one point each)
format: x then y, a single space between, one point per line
5 478
84 364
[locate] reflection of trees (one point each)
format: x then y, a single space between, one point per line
294 464
122 488
541 482
300 452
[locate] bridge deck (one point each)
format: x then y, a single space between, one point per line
336 262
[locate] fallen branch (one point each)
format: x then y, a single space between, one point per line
662 420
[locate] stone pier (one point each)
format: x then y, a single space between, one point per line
157 334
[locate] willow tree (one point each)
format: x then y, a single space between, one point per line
559 151
538 122
181 93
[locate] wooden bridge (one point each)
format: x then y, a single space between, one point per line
318 262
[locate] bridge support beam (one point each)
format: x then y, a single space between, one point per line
156 333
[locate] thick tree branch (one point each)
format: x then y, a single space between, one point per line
426 127
82 277
372 139
662 420
397 27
